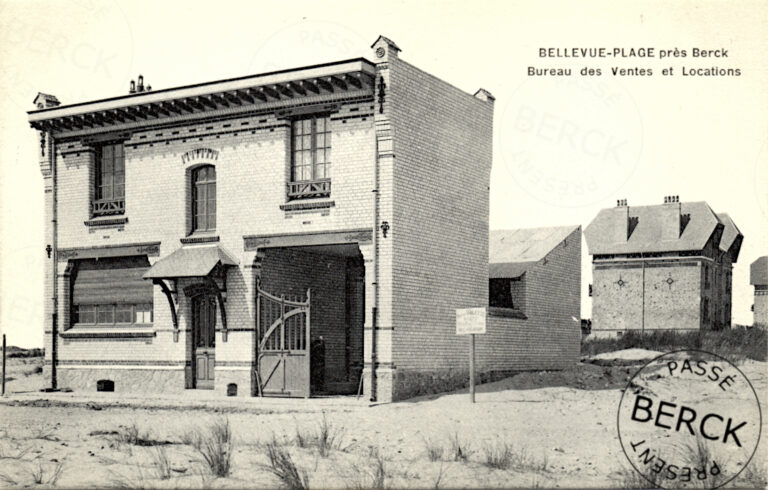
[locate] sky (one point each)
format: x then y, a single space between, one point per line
564 147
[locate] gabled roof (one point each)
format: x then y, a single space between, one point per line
647 236
758 272
513 252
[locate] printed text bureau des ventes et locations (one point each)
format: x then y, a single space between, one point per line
635 53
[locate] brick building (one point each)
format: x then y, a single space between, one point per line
758 278
287 233
535 297
662 267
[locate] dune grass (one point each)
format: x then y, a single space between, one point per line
735 344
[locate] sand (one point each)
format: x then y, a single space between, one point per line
560 429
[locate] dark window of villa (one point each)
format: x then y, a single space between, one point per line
109 191
204 198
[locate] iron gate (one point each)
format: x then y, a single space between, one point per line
282 324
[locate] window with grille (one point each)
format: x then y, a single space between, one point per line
109 190
310 158
204 198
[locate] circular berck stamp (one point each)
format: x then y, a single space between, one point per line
689 419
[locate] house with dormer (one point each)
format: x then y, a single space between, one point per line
662 267
299 232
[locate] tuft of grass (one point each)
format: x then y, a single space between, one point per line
282 466
460 450
434 449
371 473
43 476
302 440
329 438
498 455
439 477
736 344
215 446
130 434
161 463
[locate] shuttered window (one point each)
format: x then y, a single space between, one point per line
111 291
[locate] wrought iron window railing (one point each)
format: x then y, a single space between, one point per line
107 207
308 189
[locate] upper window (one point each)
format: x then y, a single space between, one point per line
109 191
204 198
310 158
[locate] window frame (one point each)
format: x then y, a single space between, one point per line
318 182
114 204
144 308
195 188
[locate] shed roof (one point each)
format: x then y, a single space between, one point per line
758 272
512 252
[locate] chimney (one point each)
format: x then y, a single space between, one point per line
132 89
671 228
45 101
621 221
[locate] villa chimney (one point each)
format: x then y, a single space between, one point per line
671 228
132 90
621 221
140 86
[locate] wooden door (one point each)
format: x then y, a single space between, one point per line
204 331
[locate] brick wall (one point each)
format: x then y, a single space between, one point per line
439 218
292 272
760 307
251 170
550 336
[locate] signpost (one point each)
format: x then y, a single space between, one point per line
471 321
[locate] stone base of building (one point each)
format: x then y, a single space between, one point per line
122 380
235 382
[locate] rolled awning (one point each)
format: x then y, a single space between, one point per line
190 262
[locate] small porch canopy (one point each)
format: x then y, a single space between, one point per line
201 262
190 262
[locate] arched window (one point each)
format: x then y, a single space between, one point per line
204 198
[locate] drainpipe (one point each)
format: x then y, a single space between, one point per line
375 282
55 272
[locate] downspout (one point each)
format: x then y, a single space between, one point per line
54 268
375 282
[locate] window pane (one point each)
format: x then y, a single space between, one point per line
106 190
320 156
119 190
321 125
328 155
123 314
297 142
211 221
212 174
105 314
306 126
327 170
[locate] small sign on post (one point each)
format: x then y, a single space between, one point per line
471 321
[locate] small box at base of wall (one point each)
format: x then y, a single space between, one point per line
470 321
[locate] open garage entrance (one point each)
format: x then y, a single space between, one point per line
310 315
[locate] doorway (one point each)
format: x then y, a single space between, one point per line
204 340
